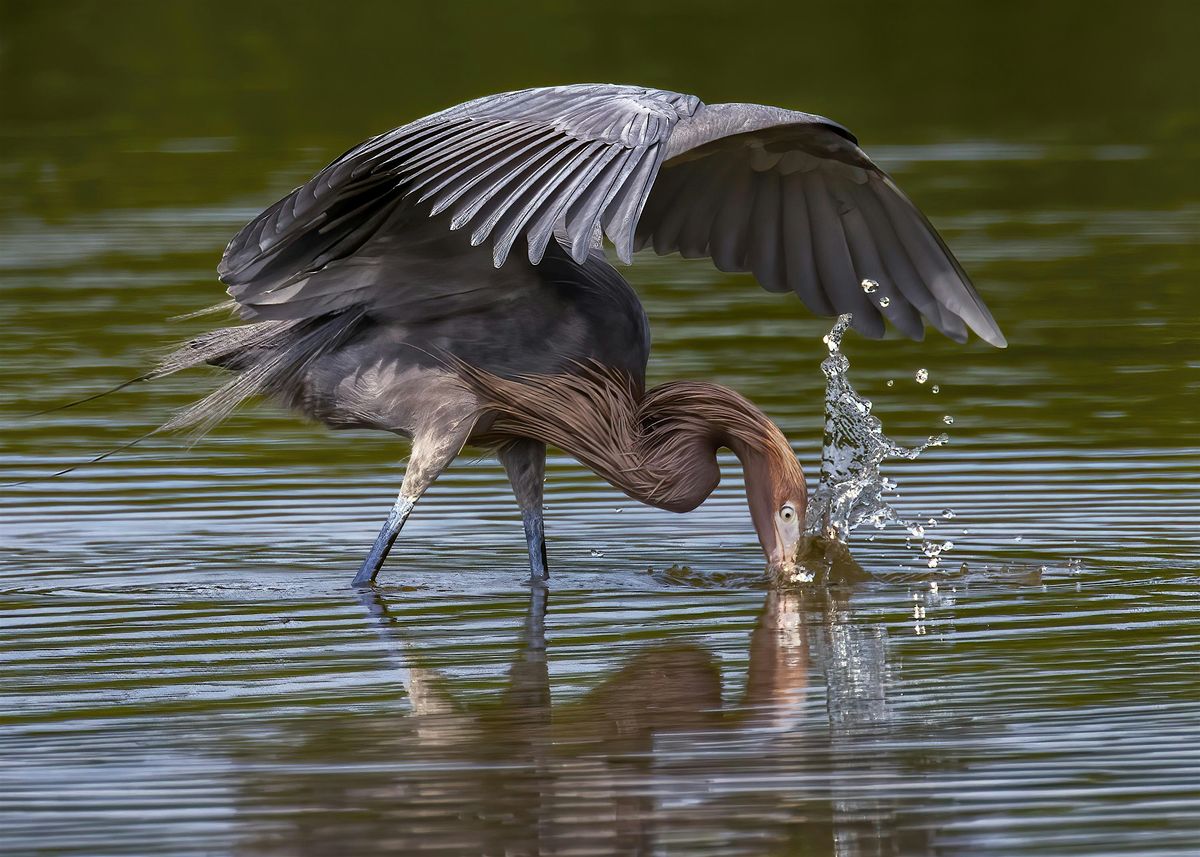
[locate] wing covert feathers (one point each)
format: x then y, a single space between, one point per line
786 196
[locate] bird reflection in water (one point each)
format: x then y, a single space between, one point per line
659 753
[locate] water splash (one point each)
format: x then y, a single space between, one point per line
852 488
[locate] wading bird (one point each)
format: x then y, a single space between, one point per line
391 291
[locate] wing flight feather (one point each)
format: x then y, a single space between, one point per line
786 196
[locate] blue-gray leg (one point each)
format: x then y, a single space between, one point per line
432 452
525 463
535 538
385 540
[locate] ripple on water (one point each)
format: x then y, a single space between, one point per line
611 714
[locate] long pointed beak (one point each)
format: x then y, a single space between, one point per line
782 560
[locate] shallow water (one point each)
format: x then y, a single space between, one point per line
184 669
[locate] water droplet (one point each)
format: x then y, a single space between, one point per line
948 513
884 300
948 420
869 286
933 587
1018 538
936 389
852 490
596 552
922 376
947 546
933 562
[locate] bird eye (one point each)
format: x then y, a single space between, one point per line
787 513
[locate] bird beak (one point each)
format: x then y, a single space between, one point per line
781 560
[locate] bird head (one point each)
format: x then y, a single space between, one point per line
695 418
777 496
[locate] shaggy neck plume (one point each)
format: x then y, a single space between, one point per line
659 448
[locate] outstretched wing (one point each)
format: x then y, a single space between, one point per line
571 158
787 196
791 198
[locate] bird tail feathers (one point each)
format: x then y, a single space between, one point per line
267 358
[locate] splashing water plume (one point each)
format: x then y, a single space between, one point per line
852 487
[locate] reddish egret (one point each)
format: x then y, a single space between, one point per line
385 293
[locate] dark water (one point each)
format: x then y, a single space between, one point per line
183 668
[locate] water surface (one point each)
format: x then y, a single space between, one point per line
183 668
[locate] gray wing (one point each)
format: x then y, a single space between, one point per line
787 196
571 160
791 198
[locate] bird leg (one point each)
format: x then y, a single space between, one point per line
431 454
525 463
386 538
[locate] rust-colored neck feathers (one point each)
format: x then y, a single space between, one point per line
658 447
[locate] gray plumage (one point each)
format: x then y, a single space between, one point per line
363 289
